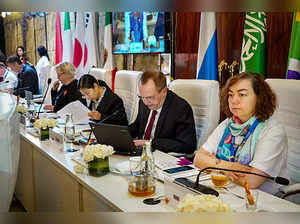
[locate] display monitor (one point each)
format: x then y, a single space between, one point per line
139 32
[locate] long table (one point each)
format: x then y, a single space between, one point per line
47 182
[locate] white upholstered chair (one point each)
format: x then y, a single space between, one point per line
102 74
288 113
203 96
126 86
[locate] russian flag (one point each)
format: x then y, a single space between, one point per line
207 64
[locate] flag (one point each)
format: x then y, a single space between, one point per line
108 57
79 44
91 42
253 58
67 39
207 63
58 40
293 69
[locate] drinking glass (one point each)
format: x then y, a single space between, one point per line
251 200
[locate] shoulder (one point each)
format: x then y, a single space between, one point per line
177 100
273 126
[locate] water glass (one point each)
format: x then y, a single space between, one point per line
251 201
134 165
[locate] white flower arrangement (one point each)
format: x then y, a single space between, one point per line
98 151
44 123
202 203
21 108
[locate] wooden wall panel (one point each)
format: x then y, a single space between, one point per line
279 29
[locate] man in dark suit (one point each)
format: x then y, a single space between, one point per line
163 117
68 92
27 76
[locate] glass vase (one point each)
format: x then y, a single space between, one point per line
44 134
98 167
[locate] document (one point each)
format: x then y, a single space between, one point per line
78 110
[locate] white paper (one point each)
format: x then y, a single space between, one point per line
78 110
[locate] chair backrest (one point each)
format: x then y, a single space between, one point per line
102 74
126 86
288 113
203 96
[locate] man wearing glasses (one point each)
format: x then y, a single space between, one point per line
163 117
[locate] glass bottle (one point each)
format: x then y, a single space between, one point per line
69 133
142 184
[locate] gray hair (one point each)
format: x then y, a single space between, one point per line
66 67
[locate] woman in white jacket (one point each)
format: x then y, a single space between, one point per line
43 67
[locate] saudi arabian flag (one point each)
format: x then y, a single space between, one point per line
67 39
293 69
253 58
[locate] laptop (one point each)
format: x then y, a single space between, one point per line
116 136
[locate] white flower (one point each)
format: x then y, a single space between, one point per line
202 203
98 151
44 123
21 108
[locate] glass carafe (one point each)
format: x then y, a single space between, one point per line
142 182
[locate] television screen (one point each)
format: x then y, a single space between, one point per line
138 32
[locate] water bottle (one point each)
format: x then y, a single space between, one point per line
69 133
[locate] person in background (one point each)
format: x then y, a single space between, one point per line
9 79
250 139
43 66
163 117
68 92
27 76
20 52
103 101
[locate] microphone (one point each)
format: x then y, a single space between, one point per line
48 84
278 180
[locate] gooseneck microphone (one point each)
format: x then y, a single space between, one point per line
48 84
278 180
101 121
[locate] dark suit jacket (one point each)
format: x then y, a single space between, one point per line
109 104
175 130
66 95
27 80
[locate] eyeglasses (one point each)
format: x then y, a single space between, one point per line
59 74
147 98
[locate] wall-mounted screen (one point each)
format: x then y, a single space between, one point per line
139 32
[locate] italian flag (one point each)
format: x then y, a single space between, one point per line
67 39
108 57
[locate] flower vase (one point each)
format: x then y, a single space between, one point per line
44 134
98 167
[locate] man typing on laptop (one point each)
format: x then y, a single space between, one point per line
163 117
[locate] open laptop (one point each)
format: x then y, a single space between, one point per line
116 136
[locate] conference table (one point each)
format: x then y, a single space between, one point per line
47 182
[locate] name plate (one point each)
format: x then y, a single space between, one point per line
56 135
23 120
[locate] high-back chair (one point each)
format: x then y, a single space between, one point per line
203 96
126 86
102 74
288 113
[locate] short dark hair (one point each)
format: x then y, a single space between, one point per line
43 51
13 59
157 77
87 82
266 101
